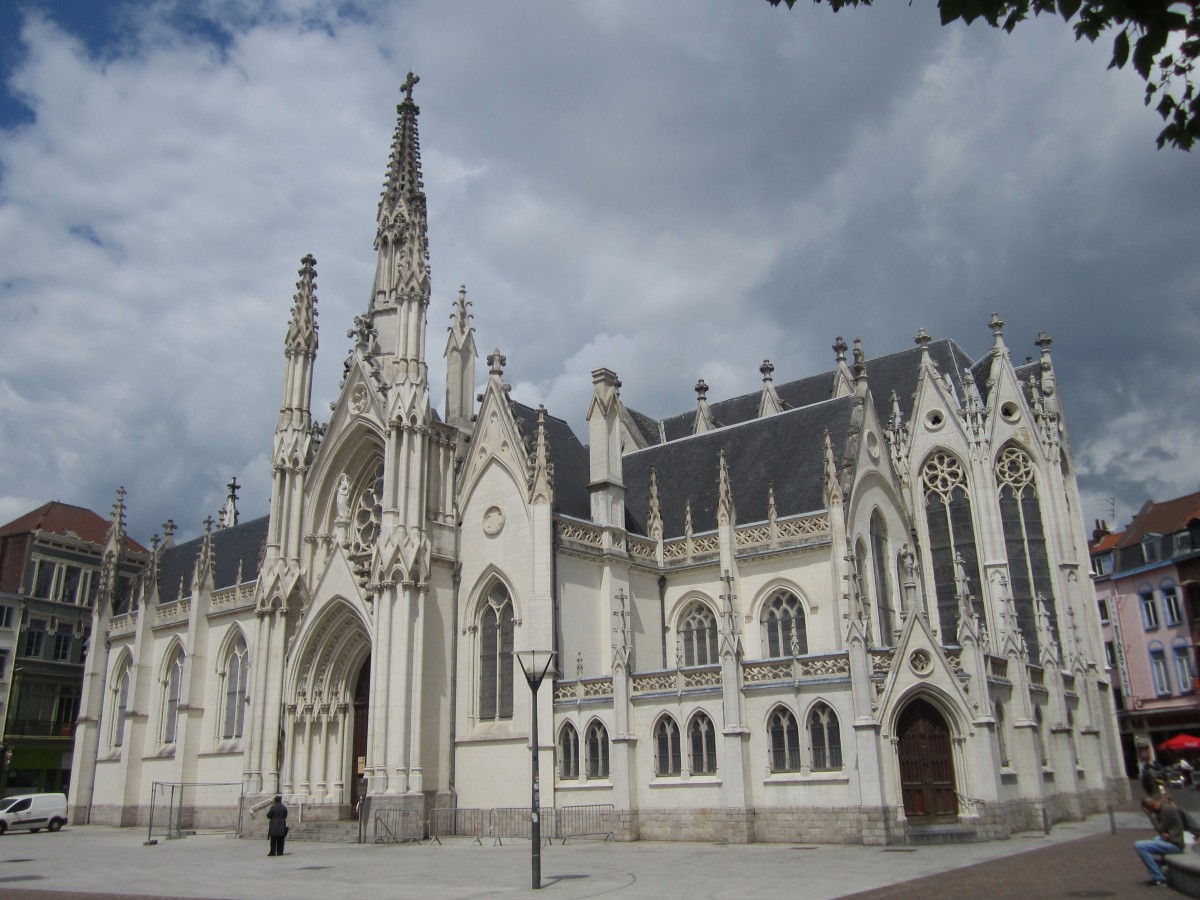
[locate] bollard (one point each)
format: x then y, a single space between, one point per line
1045 820
1112 820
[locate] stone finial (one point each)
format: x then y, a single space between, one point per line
497 362
766 369
462 309
840 348
922 339
997 325
701 389
409 83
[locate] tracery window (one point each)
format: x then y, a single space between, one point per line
367 516
883 592
667 758
824 738
597 750
698 636
568 752
784 627
172 688
949 519
120 705
784 733
496 656
1025 543
702 745
237 677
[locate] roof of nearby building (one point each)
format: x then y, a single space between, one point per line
241 545
1166 517
1105 542
67 521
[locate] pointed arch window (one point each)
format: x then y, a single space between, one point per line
702 745
1025 543
825 738
120 705
949 518
784 733
698 636
367 517
785 632
1002 735
667 758
496 656
883 591
568 752
237 676
597 750
172 690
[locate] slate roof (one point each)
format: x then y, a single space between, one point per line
786 449
66 520
572 466
244 541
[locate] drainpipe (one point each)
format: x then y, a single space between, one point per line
662 615
457 580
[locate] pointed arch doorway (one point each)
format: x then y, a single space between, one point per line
926 765
358 741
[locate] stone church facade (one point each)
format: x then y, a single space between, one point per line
849 608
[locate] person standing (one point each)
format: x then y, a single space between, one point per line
1169 825
277 828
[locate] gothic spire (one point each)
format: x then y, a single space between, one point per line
302 330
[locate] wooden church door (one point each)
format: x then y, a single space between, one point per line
926 765
358 752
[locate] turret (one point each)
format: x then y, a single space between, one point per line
460 358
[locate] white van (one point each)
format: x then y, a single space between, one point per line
33 812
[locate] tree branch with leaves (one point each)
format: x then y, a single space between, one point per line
1161 38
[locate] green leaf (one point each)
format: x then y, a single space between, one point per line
971 10
950 10
1120 50
1068 8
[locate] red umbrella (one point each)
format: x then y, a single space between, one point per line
1180 743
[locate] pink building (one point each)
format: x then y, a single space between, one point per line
1149 598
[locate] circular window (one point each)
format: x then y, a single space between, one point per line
1010 411
493 521
920 661
935 419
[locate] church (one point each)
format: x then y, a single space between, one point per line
853 607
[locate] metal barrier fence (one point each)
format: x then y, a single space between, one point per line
516 822
450 822
399 826
594 820
181 808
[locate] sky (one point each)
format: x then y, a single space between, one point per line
673 190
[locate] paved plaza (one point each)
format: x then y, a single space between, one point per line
98 860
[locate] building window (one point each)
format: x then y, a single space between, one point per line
785 741
597 750
824 738
43 580
1102 564
62 646
667 760
1149 610
172 687
1103 604
1158 669
237 677
698 636
784 626
702 745
35 639
1150 547
6 617
120 705
951 532
1039 727
1002 736
1172 608
1025 543
1110 654
883 591
66 710
3 663
496 656
568 752
1184 676
69 589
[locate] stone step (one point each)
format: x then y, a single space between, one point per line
941 834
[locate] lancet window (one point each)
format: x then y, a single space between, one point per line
785 741
784 628
568 752
702 745
172 688
496 656
367 516
698 636
949 518
825 740
667 757
883 590
119 705
237 676
597 750
1025 543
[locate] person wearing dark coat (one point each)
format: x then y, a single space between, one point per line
277 828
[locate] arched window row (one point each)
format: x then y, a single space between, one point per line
595 760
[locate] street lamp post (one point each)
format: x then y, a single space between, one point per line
535 664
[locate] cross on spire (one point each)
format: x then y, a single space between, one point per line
409 83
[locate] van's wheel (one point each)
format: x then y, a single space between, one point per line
55 824
34 830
